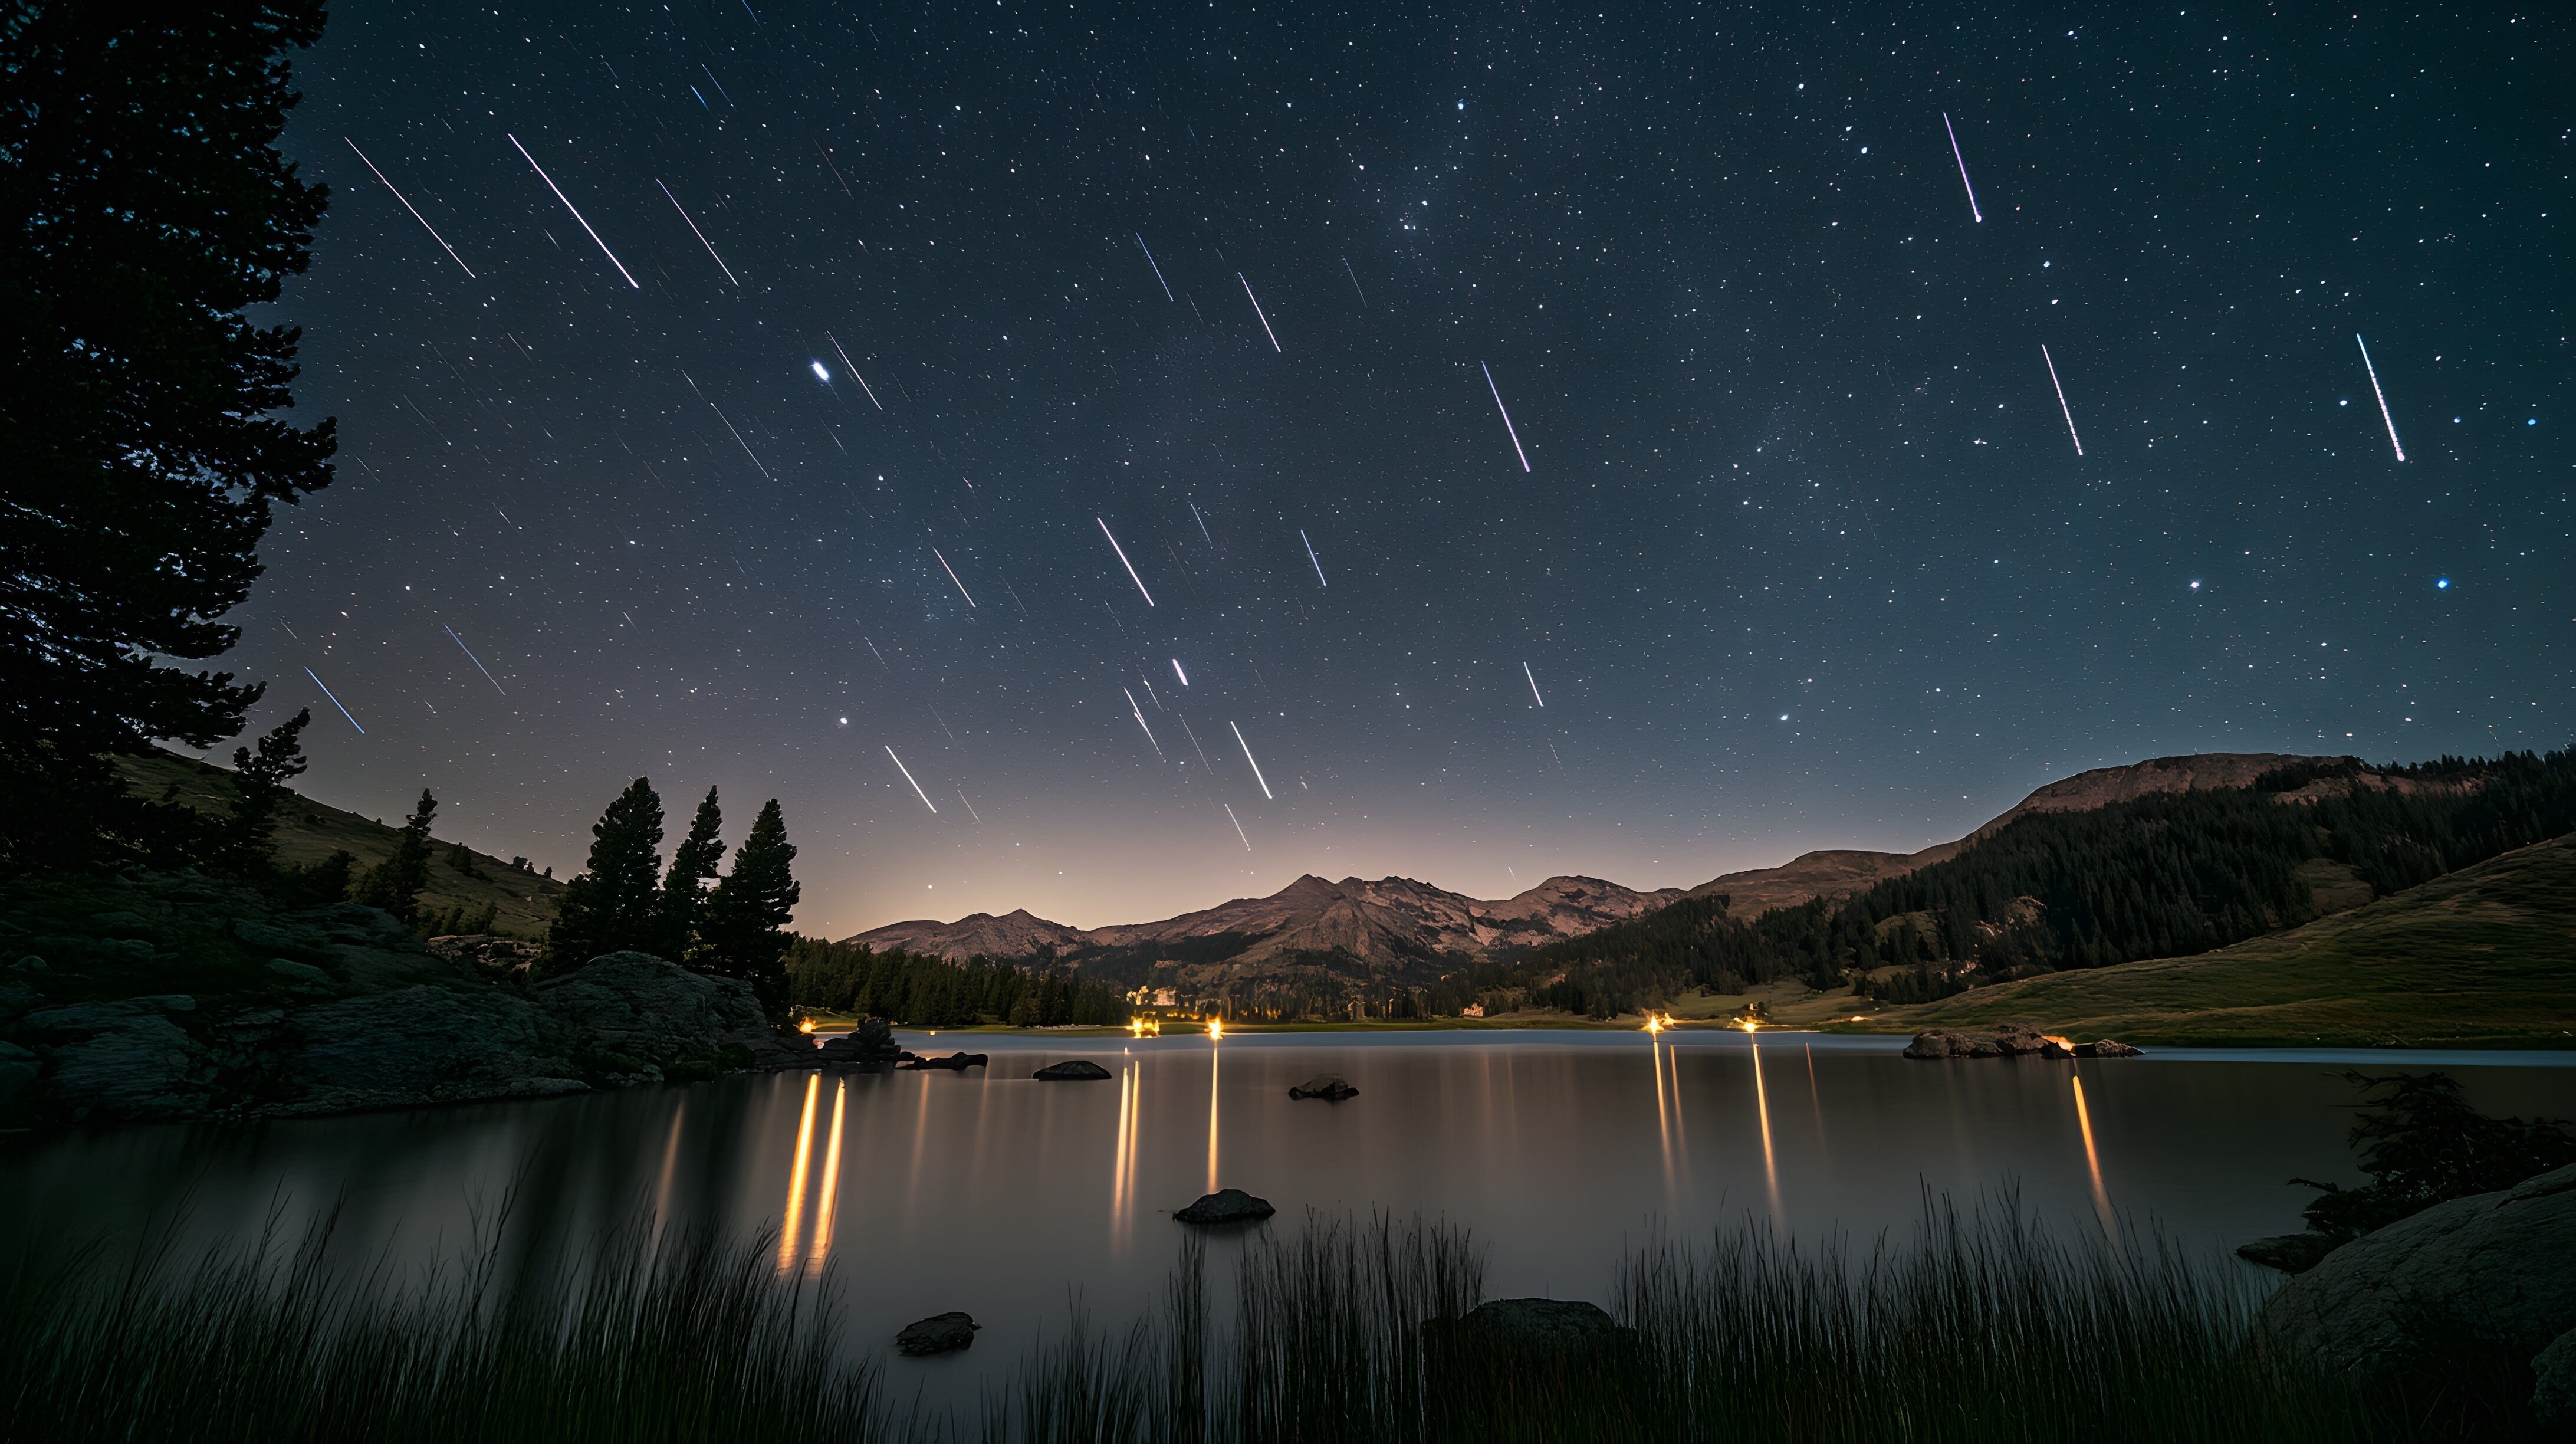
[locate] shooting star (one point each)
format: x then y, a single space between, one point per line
576 214
1533 681
970 808
1202 521
416 215
1355 279
836 172
880 656
1194 745
701 235
1122 561
1238 824
1963 169
2061 402
1152 695
952 576
1514 431
1256 767
1310 556
738 441
916 787
1158 270
853 369
1140 720
2382 395
1256 310
477 661
335 700
1176 670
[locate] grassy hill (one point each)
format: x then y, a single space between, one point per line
2482 957
309 831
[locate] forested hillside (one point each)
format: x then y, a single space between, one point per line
2158 876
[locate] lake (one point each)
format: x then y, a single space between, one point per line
1011 1198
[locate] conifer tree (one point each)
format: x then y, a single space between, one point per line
609 907
684 898
395 883
259 786
746 916
143 207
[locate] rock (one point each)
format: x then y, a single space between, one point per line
125 1060
954 1062
487 953
938 1334
1542 1326
1227 1205
2291 1253
1938 1043
28 964
2553 1392
18 1070
300 977
2494 1273
2020 1040
122 924
2055 1051
422 1044
870 1045
1331 1087
2105 1048
642 1008
1071 1070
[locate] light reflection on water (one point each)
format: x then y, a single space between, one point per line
1005 1197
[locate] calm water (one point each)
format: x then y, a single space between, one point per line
1006 1197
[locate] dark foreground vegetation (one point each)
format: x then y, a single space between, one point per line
1983 1327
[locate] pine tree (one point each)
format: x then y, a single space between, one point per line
693 865
746 916
146 207
259 785
395 883
609 907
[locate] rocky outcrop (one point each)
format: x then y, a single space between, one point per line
957 1062
2494 1273
938 1334
2291 1253
494 957
2010 1040
636 1005
127 1058
1549 1330
1072 1070
869 1047
1331 1087
1226 1205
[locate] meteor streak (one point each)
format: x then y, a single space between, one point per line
1238 824
335 700
1122 561
1355 279
952 576
416 215
1533 681
1176 669
1140 720
576 214
1310 556
1507 415
1963 169
701 235
2382 395
970 808
916 787
1256 767
1256 310
1194 745
738 441
469 656
1202 521
2061 402
1158 270
853 369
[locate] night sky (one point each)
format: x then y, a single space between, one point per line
1803 553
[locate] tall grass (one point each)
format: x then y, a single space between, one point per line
1981 1327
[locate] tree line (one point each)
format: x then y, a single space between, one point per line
733 925
923 991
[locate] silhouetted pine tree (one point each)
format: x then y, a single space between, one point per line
744 927
610 906
143 207
684 898
249 836
395 883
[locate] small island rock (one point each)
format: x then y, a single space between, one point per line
1227 1205
2105 1048
2291 1253
939 1334
1071 1070
1939 1043
1539 1328
957 1062
1331 1087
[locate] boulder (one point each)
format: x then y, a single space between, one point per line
2553 1391
954 1062
2020 1040
938 1334
869 1046
1939 1043
1543 1327
2291 1253
638 1006
2055 1051
1071 1070
1331 1087
2494 1273
492 955
422 1045
299 977
125 1060
1227 1205
2105 1048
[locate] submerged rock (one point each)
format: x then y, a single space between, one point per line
1227 1205
2488 1276
1331 1087
939 1334
2291 1253
1071 1070
1540 1327
957 1062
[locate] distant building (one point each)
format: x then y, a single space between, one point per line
1166 998
1472 1010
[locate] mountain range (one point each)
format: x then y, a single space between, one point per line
1318 936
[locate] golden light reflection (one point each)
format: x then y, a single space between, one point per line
804 1025
824 1209
1213 1058
1145 1027
796 1177
2093 1162
1762 1105
1654 1023
670 1168
1122 1162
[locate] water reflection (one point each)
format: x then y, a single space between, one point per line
2093 1162
827 1207
1213 1054
796 1178
1762 1106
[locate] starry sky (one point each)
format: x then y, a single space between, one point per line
756 390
